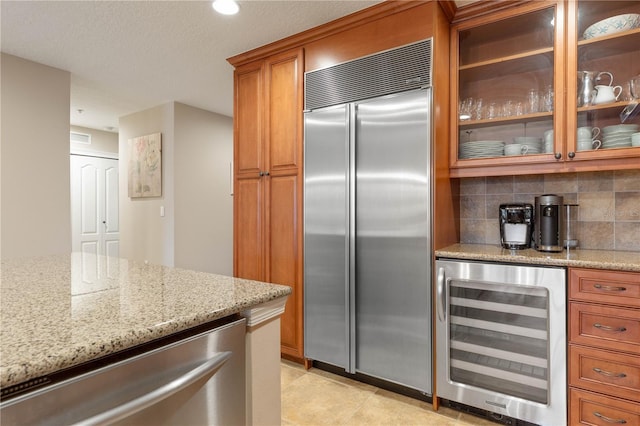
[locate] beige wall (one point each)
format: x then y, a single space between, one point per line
144 235
196 231
203 203
102 142
34 165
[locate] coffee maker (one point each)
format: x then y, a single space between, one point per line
516 224
549 223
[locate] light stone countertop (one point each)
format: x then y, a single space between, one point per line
56 314
594 259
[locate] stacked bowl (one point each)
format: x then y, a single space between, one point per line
479 149
618 136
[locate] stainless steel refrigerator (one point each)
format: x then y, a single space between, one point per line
367 210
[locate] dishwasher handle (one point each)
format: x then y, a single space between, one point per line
440 295
129 408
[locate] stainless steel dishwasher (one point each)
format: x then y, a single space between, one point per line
199 380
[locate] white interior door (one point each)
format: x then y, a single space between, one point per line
95 225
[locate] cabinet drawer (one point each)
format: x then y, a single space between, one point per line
592 409
606 327
612 373
592 285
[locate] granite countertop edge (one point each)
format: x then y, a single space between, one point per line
591 259
102 342
91 351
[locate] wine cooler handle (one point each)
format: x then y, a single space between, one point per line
440 296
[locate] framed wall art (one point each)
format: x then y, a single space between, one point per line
145 166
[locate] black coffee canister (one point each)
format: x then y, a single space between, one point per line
548 216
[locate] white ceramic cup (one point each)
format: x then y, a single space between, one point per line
548 141
635 139
587 145
588 132
516 149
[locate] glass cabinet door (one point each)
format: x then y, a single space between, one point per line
498 338
507 86
606 57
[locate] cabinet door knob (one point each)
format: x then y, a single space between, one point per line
266 173
558 155
571 154
261 173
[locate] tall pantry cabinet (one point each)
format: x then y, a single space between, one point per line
268 181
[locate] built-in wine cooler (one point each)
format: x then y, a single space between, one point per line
501 339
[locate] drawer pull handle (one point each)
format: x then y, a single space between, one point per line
609 419
608 328
609 287
608 373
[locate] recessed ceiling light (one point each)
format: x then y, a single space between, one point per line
226 7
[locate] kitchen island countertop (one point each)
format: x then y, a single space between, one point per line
577 258
61 311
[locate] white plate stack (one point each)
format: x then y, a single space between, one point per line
534 144
618 136
479 149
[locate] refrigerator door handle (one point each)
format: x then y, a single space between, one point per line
351 232
440 296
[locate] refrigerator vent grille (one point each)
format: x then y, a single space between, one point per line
392 71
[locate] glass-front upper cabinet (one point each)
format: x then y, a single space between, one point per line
604 57
509 71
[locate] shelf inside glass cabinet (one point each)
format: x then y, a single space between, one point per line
525 118
622 42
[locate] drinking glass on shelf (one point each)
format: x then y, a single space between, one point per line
507 109
634 87
465 108
547 98
533 101
519 108
477 109
493 111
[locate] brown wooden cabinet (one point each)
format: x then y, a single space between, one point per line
268 181
268 142
514 75
604 347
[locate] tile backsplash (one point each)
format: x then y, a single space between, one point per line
608 216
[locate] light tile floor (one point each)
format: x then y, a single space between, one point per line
316 398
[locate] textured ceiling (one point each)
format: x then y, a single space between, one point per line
127 56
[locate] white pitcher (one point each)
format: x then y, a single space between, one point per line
607 94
